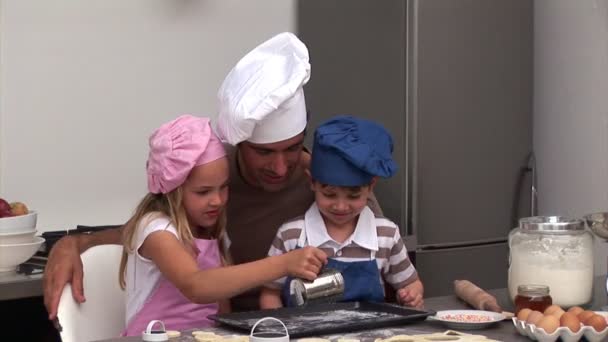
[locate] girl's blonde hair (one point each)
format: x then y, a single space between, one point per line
170 206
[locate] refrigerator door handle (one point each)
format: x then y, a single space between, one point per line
533 188
410 194
529 167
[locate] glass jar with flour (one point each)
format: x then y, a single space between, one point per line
554 251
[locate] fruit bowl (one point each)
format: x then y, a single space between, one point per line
11 255
18 237
21 223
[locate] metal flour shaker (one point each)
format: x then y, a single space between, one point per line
328 287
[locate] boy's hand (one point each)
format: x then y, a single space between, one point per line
411 295
305 262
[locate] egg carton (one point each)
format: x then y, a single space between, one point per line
567 335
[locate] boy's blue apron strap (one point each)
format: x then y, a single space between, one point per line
287 294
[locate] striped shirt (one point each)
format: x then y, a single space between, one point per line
374 238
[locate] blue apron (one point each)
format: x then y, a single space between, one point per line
361 279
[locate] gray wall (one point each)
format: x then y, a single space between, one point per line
84 83
571 109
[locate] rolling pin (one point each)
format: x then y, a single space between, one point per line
477 298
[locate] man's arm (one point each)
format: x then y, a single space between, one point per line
64 265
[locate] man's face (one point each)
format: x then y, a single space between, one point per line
270 166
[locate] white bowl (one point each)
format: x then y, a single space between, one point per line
19 237
11 255
19 223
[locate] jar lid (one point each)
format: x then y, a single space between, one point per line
533 289
551 223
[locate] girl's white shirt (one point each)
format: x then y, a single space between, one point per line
142 276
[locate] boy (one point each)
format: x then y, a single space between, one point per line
349 154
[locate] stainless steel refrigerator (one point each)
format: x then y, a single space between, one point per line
452 81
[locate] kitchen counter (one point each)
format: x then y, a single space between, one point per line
503 331
27 282
16 286
21 298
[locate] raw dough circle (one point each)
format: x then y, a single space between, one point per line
397 338
208 336
173 333
204 333
235 338
205 336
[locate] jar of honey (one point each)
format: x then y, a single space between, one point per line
533 297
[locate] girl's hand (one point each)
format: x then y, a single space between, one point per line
411 295
305 262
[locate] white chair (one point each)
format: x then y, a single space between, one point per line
103 314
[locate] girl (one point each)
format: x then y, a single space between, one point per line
172 264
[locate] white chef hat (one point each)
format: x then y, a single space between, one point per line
261 100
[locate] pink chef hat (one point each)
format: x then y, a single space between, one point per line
176 148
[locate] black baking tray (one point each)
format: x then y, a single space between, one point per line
325 319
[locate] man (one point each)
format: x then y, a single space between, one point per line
263 116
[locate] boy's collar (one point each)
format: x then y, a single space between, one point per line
365 234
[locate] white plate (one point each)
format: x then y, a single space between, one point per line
467 319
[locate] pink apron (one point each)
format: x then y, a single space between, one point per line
169 305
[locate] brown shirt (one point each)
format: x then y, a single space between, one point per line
255 215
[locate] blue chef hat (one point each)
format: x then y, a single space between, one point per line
348 151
